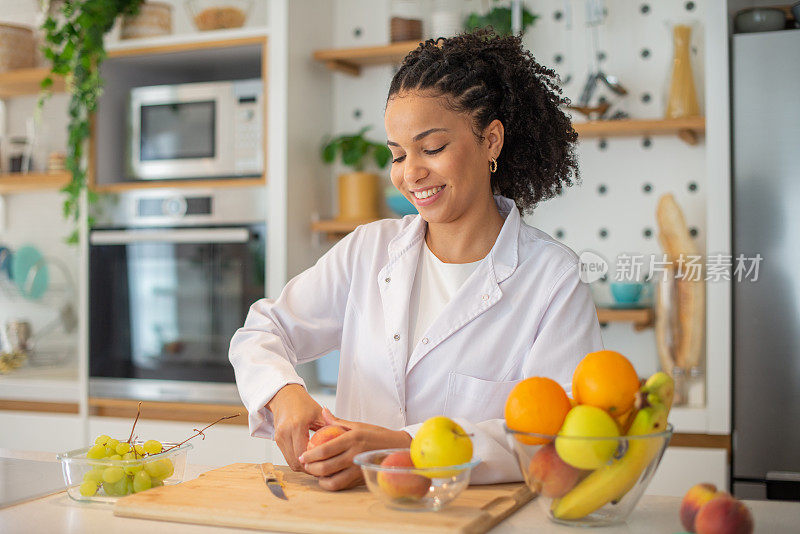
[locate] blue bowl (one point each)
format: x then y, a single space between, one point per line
400 205
626 292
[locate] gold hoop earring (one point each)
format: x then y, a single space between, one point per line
492 165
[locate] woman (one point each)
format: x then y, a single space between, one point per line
444 312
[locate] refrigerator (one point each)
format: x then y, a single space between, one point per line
766 220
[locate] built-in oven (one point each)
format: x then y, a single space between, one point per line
168 290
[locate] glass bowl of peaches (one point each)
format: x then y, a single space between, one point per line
390 475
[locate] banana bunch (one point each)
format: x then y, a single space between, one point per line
612 481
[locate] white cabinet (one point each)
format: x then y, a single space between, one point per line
683 467
31 431
223 445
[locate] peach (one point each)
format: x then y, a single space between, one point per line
724 515
695 498
402 485
325 434
552 476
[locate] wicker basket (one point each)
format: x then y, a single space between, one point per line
153 19
17 47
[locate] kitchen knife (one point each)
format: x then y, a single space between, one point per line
274 480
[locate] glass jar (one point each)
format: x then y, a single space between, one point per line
16 154
696 387
680 396
447 19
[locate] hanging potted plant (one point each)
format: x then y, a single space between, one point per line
74 46
358 190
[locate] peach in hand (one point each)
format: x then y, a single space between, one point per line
325 434
724 515
695 498
552 476
402 485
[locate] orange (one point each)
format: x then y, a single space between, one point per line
539 405
607 380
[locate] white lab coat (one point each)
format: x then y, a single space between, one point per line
523 312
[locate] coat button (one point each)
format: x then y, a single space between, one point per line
397 337
388 280
485 297
425 340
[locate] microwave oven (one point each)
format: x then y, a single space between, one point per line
196 130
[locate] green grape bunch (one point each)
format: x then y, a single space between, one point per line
132 466
118 479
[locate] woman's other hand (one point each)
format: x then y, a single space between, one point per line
332 461
294 413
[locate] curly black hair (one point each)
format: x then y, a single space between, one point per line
492 77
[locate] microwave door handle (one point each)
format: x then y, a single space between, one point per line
189 235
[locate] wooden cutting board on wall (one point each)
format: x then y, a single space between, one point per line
236 496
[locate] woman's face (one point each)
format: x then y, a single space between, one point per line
437 162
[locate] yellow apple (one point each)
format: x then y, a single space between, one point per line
579 446
440 442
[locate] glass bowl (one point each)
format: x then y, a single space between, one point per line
218 14
604 491
165 467
410 488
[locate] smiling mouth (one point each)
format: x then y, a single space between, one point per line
427 192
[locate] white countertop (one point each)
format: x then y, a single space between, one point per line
59 513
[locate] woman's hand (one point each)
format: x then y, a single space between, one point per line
294 413
332 461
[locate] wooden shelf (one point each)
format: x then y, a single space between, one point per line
24 82
337 229
187 41
641 318
167 411
351 60
33 181
182 45
153 184
689 129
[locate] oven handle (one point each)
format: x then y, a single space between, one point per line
189 235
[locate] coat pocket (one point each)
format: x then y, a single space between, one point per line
476 399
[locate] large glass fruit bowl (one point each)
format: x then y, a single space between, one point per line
411 488
612 475
163 468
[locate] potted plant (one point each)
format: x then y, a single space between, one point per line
499 18
359 189
74 45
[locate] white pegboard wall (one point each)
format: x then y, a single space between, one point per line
613 211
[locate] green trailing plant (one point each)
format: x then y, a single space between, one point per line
355 149
74 46
499 18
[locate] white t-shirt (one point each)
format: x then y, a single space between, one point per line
435 283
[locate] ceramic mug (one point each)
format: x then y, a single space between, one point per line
626 292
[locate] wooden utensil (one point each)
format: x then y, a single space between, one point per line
234 496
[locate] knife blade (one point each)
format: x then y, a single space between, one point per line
274 480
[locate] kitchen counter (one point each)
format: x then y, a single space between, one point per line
59 513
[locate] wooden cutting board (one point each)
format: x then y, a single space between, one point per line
236 496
